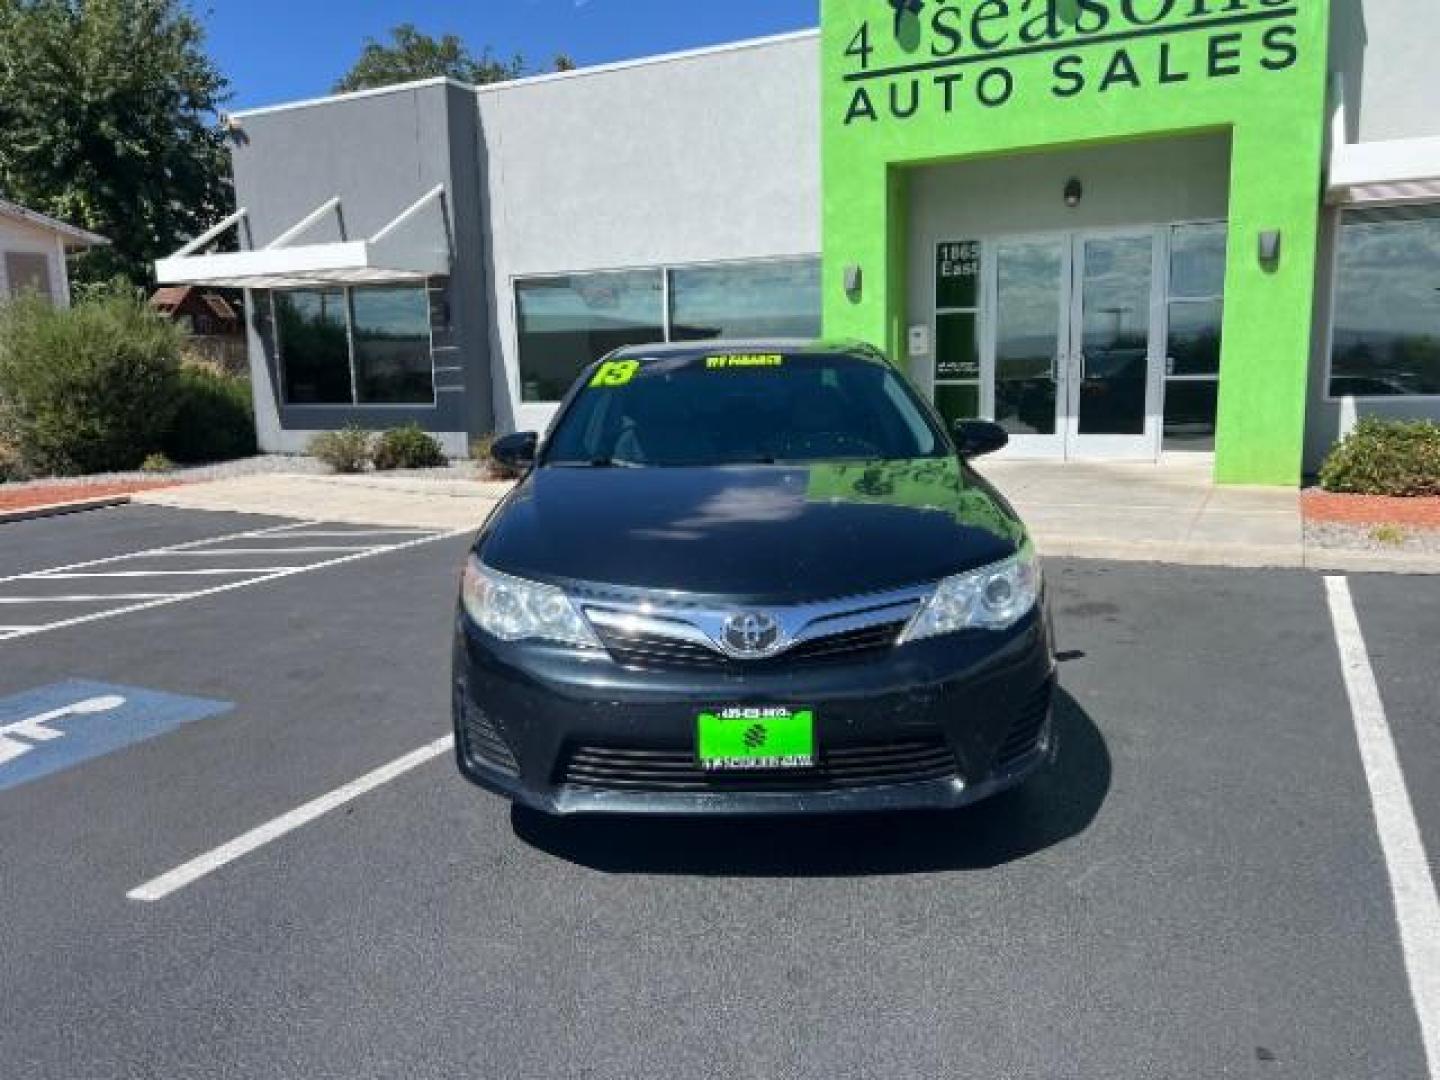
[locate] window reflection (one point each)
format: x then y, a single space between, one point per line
1197 260
566 323
1027 335
392 346
1115 336
764 299
1386 339
314 347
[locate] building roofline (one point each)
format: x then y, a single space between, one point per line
530 80
81 237
647 61
353 95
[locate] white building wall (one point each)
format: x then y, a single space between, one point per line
699 157
23 237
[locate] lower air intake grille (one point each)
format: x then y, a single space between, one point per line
1024 734
483 742
635 769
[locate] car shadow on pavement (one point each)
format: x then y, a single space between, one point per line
1059 802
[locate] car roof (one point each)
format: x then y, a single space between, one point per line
856 350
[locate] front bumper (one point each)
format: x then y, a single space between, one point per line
932 724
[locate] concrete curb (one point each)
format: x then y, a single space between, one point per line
1253 556
30 513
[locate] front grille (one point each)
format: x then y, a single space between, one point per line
1024 734
652 650
907 761
484 744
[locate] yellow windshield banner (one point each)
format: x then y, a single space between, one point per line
744 360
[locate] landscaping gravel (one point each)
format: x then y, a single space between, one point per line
1328 534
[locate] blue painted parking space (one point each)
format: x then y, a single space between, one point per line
55 727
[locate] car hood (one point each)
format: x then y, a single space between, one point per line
776 533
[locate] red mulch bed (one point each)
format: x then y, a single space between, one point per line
1422 512
44 494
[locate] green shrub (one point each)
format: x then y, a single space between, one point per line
1385 457
156 463
87 389
214 417
407 447
10 467
345 451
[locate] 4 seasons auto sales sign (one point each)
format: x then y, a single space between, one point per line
907 59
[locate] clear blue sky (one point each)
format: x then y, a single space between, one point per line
280 50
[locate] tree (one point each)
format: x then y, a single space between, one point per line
411 54
108 120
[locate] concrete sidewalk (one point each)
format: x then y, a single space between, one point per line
1168 513
365 499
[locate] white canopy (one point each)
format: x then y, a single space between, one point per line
413 246
1383 171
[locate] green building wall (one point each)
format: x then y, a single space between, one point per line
943 81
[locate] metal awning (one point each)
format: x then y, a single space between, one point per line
1386 171
412 246
1393 171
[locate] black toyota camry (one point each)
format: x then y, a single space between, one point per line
755 578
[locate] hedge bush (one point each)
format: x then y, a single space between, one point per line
408 447
214 417
345 451
1385 457
88 389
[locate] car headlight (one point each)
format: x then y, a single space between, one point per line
990 598
513 609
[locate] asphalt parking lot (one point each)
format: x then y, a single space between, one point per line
1196 889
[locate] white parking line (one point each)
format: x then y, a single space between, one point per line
1417 910
158 550
198 553
198 867
86 598
261 576
209 571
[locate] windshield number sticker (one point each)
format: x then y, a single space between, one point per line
615 373
744 360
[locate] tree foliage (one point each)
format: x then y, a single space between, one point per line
411 54
108 120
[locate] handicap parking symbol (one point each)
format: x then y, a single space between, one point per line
51 728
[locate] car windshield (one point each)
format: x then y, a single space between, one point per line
729 409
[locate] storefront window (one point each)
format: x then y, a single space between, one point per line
392 346
367 346
1386 340
739 300
566 323
1195 307
314 346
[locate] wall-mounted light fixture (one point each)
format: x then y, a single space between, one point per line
853 281
1269 246
1074 191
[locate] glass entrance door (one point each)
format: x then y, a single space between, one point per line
1069 356
1031 328
1113 362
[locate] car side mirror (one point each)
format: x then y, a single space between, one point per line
976 437
515 451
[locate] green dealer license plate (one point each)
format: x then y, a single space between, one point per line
765 737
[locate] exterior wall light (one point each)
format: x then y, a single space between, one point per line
853 281
1270 246
1073 192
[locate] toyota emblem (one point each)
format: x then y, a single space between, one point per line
751 633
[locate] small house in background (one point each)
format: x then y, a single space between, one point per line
213 322
32 253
